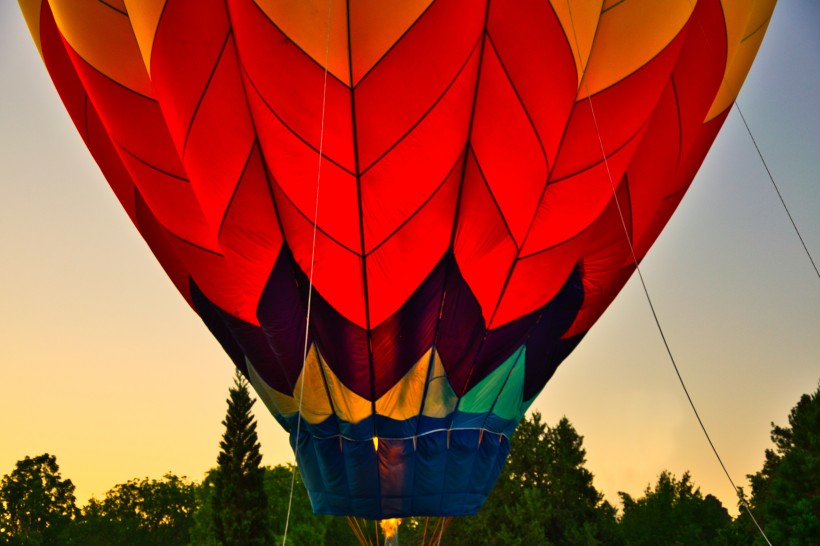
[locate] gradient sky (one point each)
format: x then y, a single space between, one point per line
104 365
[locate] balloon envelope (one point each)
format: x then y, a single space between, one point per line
398 219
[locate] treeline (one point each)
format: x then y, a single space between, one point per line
545 495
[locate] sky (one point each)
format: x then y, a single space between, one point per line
104 365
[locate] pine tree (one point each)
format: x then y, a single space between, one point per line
240 506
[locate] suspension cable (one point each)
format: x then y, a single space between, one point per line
310 279
646 291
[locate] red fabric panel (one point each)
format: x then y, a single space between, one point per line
294 167
569 206
90 126
620 112
400 182
534 281
251 239
220 139
408 81
291 83
535 54
187 46
397 268
337 272
483 247
607 263
507 148
699 70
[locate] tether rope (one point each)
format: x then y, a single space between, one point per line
646 290
777 189
310 280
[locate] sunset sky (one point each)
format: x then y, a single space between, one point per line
103 364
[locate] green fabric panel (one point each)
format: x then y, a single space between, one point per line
509 401
480 399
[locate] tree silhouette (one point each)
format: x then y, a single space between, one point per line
240 506
36 504
544 495
786 491
674 512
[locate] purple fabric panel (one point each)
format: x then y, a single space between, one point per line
343 345
545 348
401 340
281 314
461 329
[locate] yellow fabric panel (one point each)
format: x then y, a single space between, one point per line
31 12
375 25
629 35
315 403
746 23
103 37
349 406
144 15
441 400
579 19
403 400
305 22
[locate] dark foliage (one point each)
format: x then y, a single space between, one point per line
139 513
674 513
239 505
786 492
544 495
36 504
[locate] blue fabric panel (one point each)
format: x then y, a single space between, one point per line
400 480
463 419
463 448
362 466
332 466
393 428
430 461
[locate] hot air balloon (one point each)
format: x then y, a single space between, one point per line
398 219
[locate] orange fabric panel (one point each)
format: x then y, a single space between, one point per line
102 35
316 27
629 35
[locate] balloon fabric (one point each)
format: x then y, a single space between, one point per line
459 188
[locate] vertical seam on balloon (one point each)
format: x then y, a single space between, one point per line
453 232
467 153
205 89
393 46
427 112
363 258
